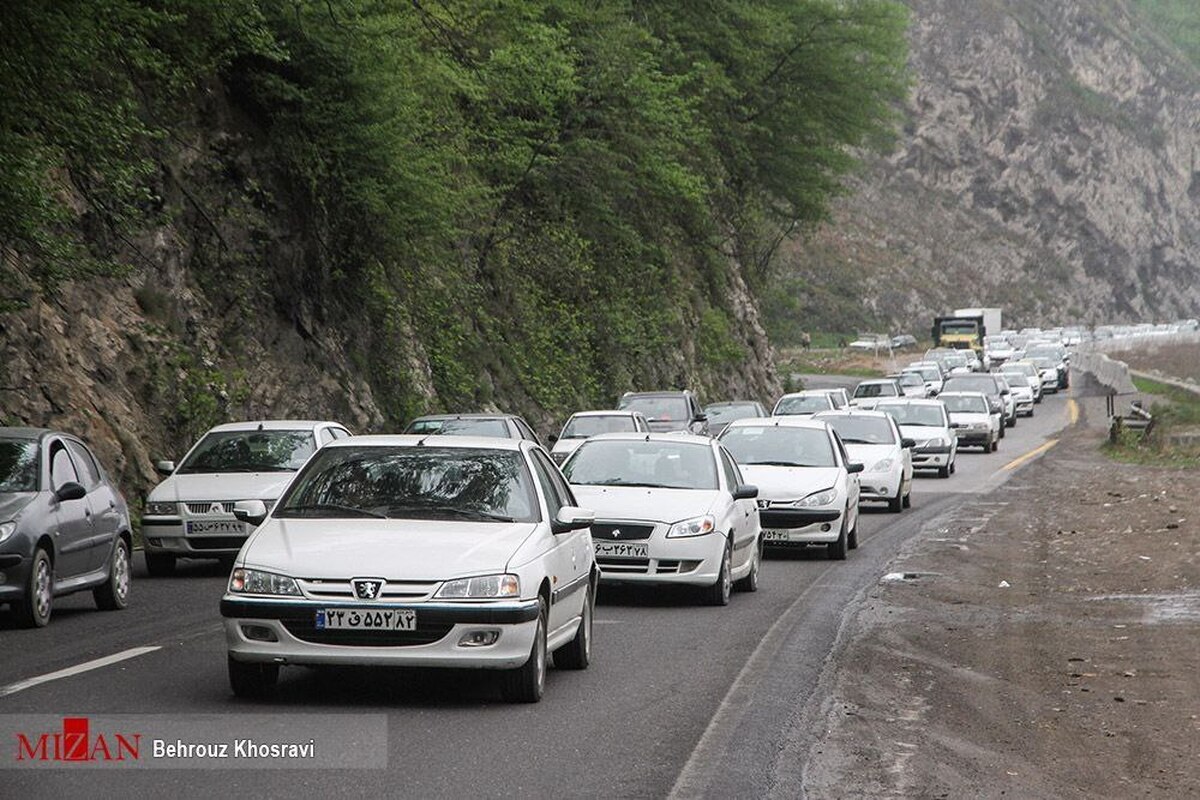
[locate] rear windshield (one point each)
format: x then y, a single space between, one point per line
583 427
656 464
779 446
875 390
972 404
460 427
862 430
807 404
250 451
728 412
658 408
972 383
18 466
905 414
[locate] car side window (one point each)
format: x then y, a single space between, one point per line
554 500
61 469
88 471
524 429
841 448
340 433
325 437
732 476
556 478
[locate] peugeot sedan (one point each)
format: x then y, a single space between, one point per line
585 424
935 445
435 551
190 514
805 403
670 509
972 419
873 439
64 526
807 485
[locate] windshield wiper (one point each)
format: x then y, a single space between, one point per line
845 440
774 464
619 482
472 513
361 512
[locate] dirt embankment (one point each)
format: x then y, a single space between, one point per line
1048 648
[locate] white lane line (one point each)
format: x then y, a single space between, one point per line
78 669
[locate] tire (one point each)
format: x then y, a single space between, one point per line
718 594
1003 428
836 551
944 472
995 446
852 536
908 499
113 594
577 653
160 565
527 683
252 680
34 610
896 504
1012 423
953 466
750 582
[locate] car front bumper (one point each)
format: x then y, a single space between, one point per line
801 526
14 567
441 627
689 560
878 486
931 457
169 535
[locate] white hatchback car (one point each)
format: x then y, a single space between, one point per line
935 445
584 424
972 420
807 485
873 439
434 551
670 508
190 514
805 403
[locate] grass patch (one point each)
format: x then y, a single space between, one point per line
1175 410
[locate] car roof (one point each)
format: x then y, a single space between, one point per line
877 380
615 412
910 401
477 415
790 421
963 394
431 440
686 438
805 393
851 412
270 425
659 393
732 403
24 433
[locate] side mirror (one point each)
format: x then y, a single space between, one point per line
164 468
70 491
250 511
745 492
572 518
852 468
908 443
700 418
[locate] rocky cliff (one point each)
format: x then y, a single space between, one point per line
1048 165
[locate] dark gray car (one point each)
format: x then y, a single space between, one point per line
64 527
667 412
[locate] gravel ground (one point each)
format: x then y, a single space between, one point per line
1044 644
1180 361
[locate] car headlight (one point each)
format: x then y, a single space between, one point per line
7 530
253 581
483 587
162 509
979 426
697 526
940 441
824 497
882 466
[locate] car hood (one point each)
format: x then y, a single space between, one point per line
221 486
395 549
12 504
789 483
869 454
967 417
635 502
921 433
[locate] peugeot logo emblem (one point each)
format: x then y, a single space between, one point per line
616 533
216 508
367 588
764 503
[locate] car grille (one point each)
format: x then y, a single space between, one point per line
204 506
305 629
340 589
216 542
608 530
645 566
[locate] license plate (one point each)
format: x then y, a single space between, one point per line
775 536
227 526
368 619
623 549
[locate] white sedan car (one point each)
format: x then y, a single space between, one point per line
805 403
873 439
190 514
670 508
583 424
433 551
972 419
807 485
935 445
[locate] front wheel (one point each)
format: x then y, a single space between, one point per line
251 679
113 594
750 582
33 611
994 446
852 537
896 504
836 551
527 683
577 653
944 472
718 593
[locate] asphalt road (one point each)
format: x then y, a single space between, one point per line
679 697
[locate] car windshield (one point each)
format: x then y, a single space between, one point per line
436 483
861 430
657 408
929 373
973 383
929 416
1016 378
875 390
657 464
583 427
250 451
956 360
18 466
805 404
721 413
909 379
1045 352
779 446
1043 363
469 426
965 404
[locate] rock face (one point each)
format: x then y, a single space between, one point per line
1048 164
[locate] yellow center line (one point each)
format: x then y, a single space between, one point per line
1072 411
1016 462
